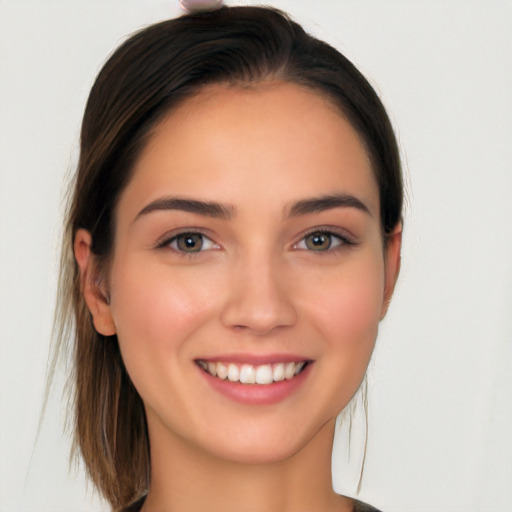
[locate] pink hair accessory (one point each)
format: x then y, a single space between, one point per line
200 5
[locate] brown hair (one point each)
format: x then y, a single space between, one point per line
147 76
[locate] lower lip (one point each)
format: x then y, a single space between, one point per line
257 394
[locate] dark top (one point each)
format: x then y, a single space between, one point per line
359 506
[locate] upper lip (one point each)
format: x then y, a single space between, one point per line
255 359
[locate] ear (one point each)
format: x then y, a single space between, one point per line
392 261
94 291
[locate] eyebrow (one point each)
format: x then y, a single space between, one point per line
320 204
206 208
224 211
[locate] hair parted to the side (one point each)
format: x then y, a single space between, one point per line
147 77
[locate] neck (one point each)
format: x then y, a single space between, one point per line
184 478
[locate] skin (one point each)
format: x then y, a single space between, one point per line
256 288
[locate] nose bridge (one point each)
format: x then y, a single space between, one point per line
259 298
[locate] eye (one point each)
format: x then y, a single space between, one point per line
321 241
191 243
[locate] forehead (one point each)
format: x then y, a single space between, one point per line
279 141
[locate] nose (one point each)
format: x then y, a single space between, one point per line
260 299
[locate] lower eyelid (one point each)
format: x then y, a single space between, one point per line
337 239
207 244
170 241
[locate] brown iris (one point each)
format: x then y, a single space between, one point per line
318 241
189 242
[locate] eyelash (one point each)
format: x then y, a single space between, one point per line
342 240
170 242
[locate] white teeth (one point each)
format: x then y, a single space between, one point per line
233 373
298 367
289 371
247 374
222 370
264 374
212 369
250 374
279 372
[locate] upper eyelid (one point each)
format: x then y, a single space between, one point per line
341 242
171 235
341 233
330 230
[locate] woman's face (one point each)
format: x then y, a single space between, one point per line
249 242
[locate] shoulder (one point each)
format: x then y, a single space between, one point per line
359 506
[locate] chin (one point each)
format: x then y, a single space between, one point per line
271 445
257 454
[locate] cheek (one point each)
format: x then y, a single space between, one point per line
349 321
155 310
355 314
347 315
349 303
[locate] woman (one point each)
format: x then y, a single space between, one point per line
233 242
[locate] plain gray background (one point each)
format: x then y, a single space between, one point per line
440 381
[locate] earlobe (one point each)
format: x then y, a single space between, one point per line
93 289
392 266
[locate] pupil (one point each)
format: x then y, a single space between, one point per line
190 243
319 241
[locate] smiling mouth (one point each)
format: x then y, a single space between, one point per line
253 374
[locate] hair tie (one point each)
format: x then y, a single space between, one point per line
200 5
